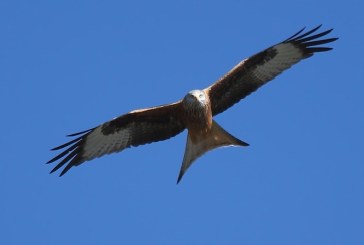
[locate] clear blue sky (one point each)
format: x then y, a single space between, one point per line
67 66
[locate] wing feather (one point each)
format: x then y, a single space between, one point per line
132 129
252 73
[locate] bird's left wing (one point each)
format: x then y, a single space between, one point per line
132 129
259 69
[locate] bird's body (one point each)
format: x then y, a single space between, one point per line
195 111
196 107
204 134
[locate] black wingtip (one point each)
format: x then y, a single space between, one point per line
306 33
181 173
57 167
296 34
78 133
54 170
71 154
310 42
306 36
73 158
65 170
67 144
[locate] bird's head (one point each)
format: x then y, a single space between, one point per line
195 97
195 101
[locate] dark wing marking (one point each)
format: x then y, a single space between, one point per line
259 69
132 129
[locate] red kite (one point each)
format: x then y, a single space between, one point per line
195 111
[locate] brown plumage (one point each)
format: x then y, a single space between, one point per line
195 111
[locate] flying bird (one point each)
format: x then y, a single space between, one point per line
195 111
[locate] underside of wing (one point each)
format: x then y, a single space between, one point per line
132 129
252 73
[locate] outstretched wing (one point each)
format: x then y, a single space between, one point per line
132 129
259 69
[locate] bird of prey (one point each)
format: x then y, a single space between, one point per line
195 111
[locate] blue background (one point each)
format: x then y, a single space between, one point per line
67 66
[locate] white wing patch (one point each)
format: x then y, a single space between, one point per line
287 55
98 144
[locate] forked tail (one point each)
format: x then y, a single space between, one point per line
200 143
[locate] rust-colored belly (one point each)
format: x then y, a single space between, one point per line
198 119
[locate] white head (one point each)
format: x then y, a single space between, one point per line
196 105
195 96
